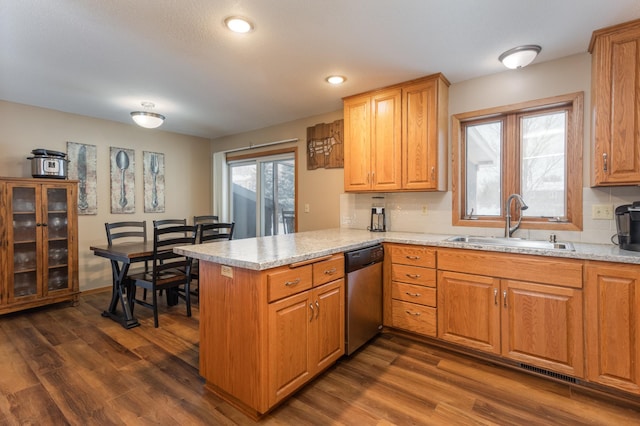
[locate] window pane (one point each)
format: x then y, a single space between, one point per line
243 192
483 171
543 164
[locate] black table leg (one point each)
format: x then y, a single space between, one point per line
120 295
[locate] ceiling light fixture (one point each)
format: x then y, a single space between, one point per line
335 79
238 24
147 119
519 57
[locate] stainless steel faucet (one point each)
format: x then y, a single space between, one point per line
508 229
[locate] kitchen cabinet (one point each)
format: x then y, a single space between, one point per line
39 243
612 308
530 311
615 104
264 334
396 137
372 146
411 288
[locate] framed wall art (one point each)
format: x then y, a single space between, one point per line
325 147
122 180
83 168
153 175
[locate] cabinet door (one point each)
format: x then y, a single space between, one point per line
357 144
420 136
327 331
616 106
542 325
612 321
468 310
58 244
25 237
386 146
290 322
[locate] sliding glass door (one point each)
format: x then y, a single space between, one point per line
262 192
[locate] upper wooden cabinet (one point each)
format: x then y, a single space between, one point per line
396 137
615 104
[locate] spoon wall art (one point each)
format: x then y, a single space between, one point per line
153 174
122 180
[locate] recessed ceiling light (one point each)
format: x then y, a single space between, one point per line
238 24
335 79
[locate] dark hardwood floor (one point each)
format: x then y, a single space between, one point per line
68 365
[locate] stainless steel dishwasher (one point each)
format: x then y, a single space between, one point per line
363 316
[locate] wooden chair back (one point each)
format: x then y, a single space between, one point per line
215 231
129 229
169 222
198 220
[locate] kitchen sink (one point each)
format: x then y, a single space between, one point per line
513 242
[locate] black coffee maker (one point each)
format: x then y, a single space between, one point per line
628 224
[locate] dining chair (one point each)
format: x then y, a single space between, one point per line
215 231
169 222
169 270
128 231
199 220
288 220
208 232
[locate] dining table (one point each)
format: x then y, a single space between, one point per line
122 256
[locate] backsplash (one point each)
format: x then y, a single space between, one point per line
430 212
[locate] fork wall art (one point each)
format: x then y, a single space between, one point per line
82 167
123 168
153 173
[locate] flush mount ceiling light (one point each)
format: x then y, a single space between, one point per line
335 79
238 24
520 56
147 119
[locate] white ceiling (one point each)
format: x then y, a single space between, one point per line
101 58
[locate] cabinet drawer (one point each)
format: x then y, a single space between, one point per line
414 293
285 282
417 318
413 275
328 270
412 255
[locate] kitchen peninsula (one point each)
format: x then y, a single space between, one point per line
272 308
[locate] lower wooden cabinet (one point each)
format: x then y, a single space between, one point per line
306 335
613 325
264 334
410 298
531 322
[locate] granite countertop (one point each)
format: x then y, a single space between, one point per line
268 252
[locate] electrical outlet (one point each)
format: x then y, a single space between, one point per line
602 212
425 210
226 271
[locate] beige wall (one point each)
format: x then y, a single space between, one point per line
187 169
319 188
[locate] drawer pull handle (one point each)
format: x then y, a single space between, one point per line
414 276
330 271
413 257
504 298
495 296
415 314
311 307
317 310
604 160
292 283
413 294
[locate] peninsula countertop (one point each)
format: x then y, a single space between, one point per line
269 252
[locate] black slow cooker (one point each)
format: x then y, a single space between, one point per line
46 163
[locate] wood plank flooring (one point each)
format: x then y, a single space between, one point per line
63 365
